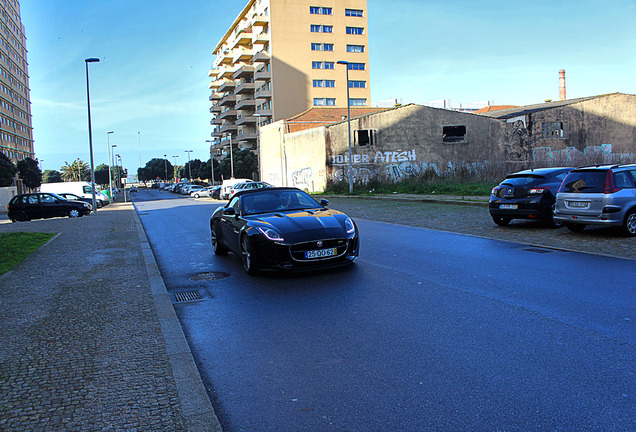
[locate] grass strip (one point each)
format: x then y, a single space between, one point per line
14 247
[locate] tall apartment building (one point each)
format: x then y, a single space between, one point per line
16 133
280 58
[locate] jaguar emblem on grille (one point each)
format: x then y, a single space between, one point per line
319 244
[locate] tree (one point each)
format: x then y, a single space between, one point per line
155 169
7 171
76 171
205 171
101 175
245 165
51 176
29 172
194 167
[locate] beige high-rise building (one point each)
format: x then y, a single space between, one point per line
280 58
16 133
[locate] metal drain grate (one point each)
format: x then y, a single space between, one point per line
187 296
209 276
538 250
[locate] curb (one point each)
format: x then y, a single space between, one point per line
427 199
197 409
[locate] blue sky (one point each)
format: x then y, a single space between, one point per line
155 56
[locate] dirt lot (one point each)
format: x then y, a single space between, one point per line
475 220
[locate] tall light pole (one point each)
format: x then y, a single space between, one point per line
110 178
258 144
211 160
90 132
165 164
189 167
174 173
118 170
139 147
231 158
342 62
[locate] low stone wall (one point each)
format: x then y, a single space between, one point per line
6 193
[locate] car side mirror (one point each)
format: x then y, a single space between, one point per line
229 211
324 202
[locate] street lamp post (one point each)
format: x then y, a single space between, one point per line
110 178
90 132
258 144
211 160
175 168
189 167
118 158
165 165
349 126
231 158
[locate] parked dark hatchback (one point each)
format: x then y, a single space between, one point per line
528 194
44 205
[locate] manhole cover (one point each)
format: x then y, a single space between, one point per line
187 296
209 276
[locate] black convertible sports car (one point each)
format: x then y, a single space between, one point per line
284 229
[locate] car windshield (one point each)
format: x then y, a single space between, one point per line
277 201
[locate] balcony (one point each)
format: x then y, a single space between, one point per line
227 128
260 38
245 103
263 93
228 114
243 55
226 86
214 109
216 121
245 88
247 145
213 72
244 136
261 57
263 113
244 72
226 72
228 100
262 75
224 57
246 120
259 20
215 96
243 38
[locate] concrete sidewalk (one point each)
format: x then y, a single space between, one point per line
90 339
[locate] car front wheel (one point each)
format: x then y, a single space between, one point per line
73 213
19 217
629 226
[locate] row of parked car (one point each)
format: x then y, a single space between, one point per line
601 195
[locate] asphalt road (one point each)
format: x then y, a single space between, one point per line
429 331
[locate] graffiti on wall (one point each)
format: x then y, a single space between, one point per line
601 153
394 164
302 178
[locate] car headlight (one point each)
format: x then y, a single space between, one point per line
349 226
271 234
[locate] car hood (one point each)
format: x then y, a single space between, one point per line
296 225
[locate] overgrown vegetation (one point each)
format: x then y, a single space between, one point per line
14 247
461 182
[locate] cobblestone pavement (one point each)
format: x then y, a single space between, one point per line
475 220
81 347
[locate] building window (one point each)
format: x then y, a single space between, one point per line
353 12
358 102
323 65
454 134
324 83
356 66
324 102
555 130
365 137
355 48
315 28
315 10
357 84
330 65
355 30
321 47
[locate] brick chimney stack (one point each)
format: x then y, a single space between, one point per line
562 84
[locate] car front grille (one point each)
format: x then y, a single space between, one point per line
298 250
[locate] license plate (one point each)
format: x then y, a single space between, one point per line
321 253
508 206
577 204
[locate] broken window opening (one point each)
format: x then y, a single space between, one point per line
365 137
454 134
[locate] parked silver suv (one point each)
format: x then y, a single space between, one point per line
598 195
